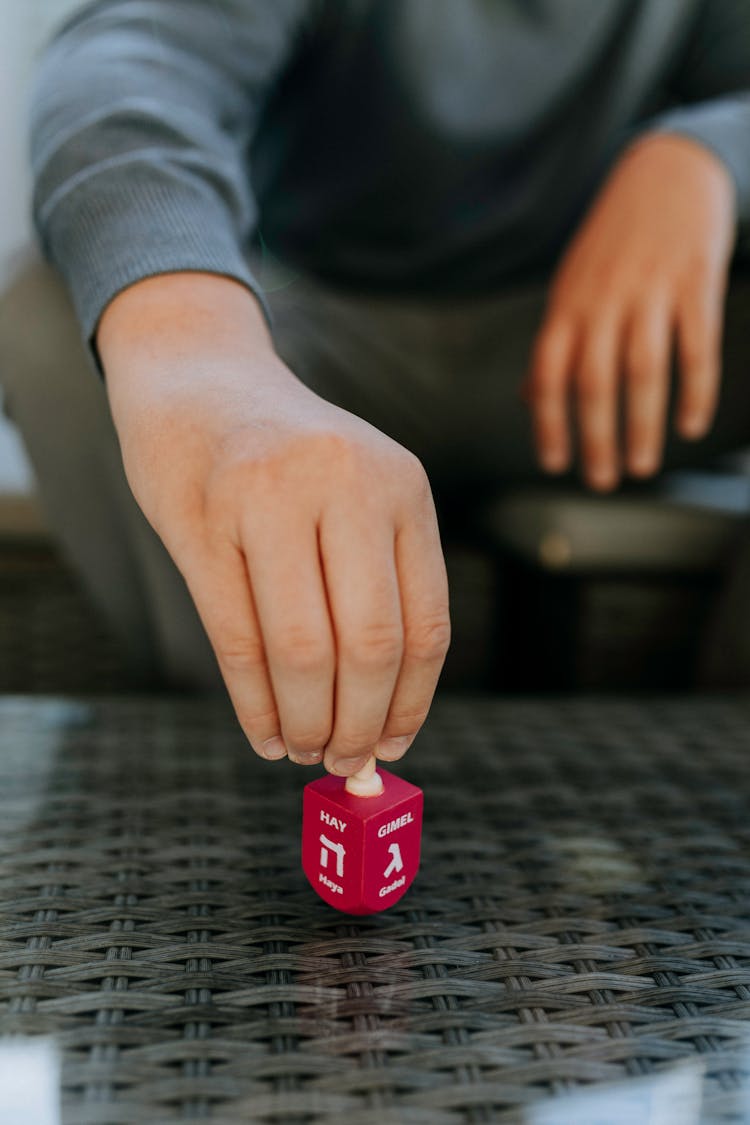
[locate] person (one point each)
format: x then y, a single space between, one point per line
316 249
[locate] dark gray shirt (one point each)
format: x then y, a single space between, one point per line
423 146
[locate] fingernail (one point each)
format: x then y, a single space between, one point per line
643 464
273 748
602 479
692 426
306 757
553 460
344 767
392 748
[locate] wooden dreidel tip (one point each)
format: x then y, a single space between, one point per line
361 838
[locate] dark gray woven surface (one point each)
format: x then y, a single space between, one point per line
582 916
51 637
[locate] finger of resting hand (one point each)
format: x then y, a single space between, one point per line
218 582
699 327
647 368
290 599
357 551
596 396
549 379
424 599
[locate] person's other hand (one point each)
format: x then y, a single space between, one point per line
643 279
308 539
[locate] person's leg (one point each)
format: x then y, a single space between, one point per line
439 376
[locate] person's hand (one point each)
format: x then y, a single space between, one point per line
644 278
307 538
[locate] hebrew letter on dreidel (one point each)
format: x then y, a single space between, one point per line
339 849
396 864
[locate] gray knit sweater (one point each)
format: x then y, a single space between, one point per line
422 146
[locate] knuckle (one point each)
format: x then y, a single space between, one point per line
607 282
551 344
565 288
430 640
228 482
241 655
599 445
229 470
700 268
592 386
695 355
543 382
643 368
240 466
412 472
353 744
216 499
334 447
300 650
308 741
590 394
550 412
336 456
406 721
376 645
416 466
258 725
550 416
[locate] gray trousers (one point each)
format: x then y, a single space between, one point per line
441 377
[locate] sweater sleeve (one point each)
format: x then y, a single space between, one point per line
712 86
141 120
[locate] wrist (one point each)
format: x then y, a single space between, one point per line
677 146
180 339
177 314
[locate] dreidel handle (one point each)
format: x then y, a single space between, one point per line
366 782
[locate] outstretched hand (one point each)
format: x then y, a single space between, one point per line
642 282
307 538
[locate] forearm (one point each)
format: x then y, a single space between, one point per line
141 121
187 360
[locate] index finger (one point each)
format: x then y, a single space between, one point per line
596 387
547 392
699 327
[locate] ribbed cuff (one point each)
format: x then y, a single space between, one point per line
136 223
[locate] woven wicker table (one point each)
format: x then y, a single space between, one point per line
581 919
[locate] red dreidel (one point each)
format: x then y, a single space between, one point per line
360 838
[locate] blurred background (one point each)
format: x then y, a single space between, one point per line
51 638
551 590
25 26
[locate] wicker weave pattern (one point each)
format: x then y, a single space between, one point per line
582 915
